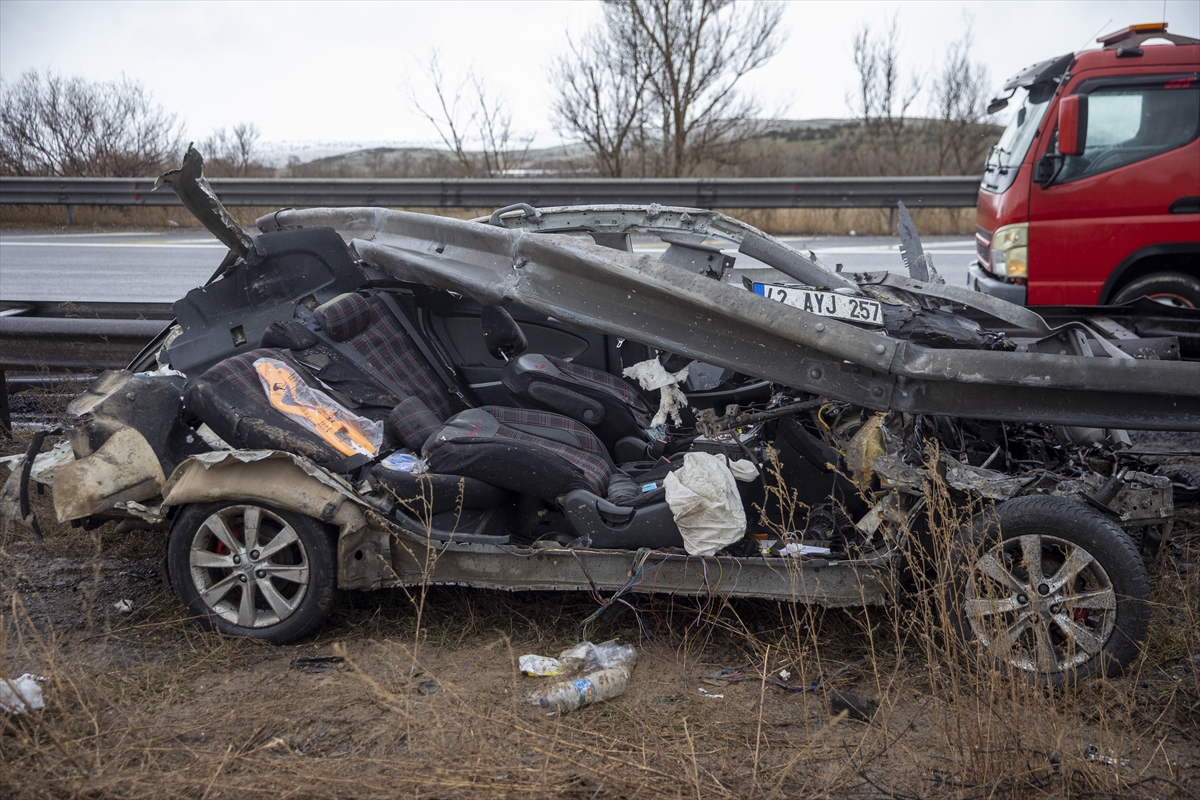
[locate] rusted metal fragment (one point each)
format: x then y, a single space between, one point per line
198 197
125 467
272 477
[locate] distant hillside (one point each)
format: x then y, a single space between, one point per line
805 147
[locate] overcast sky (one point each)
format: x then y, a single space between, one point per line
337 71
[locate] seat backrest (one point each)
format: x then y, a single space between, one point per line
367 326
608 405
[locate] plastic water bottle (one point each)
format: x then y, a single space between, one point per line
569 695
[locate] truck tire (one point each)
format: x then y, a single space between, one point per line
1168 288
1049 588
247 569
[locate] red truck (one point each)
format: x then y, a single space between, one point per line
1092 194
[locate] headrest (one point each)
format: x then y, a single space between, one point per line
501 334
344 316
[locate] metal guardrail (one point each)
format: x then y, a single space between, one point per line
926 191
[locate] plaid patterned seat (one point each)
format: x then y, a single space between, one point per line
529 452
367 325
626 412
230 399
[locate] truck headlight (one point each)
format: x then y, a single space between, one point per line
1010 251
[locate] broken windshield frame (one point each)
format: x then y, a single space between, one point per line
1004 159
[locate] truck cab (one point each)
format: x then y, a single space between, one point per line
1092 194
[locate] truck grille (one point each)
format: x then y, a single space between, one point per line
984 252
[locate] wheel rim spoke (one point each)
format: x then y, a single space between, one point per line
294 574
1015 630
1083 638
221 530
1076 562
280 541
213 594
1031 555
279 604
250 525
205 559
1046 656
1098 600
980 608
992 568
246 611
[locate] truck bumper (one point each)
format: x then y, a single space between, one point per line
981 280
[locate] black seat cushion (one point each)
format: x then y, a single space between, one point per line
425 494
229 397
549 382
529 452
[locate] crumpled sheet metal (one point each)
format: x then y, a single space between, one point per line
636 296
984 482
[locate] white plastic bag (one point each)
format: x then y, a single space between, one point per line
705 502
651 375
311 408
21 695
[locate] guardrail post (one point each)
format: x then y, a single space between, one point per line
70 216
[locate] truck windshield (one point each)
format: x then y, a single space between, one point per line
1004 159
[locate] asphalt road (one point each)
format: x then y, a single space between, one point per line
161 266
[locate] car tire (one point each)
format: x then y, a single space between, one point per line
246 569
1082 610
1169 288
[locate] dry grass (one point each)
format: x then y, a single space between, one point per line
428 702
782 221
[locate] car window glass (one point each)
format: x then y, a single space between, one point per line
1126 124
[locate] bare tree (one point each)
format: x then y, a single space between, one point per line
663 74
70 127
601 83
882 102
960 96
232 154
472 115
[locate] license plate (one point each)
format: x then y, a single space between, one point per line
826 304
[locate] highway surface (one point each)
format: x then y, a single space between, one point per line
161 266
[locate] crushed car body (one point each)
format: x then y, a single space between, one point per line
365 398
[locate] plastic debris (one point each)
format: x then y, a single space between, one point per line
651 375
540 666
607 667
342 429
1092 753
795 550
603 684
785 675
21 695
405 461
124 606
707 693
705 502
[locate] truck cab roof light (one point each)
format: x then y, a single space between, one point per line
1134 35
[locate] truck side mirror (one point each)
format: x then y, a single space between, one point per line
1072 125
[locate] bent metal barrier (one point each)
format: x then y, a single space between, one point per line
877 192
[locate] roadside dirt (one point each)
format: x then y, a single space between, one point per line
428 702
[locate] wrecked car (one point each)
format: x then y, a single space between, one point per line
364 398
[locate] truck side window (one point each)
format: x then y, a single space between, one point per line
1131 123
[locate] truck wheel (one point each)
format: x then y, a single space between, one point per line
1168 288
1051 589
250 570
